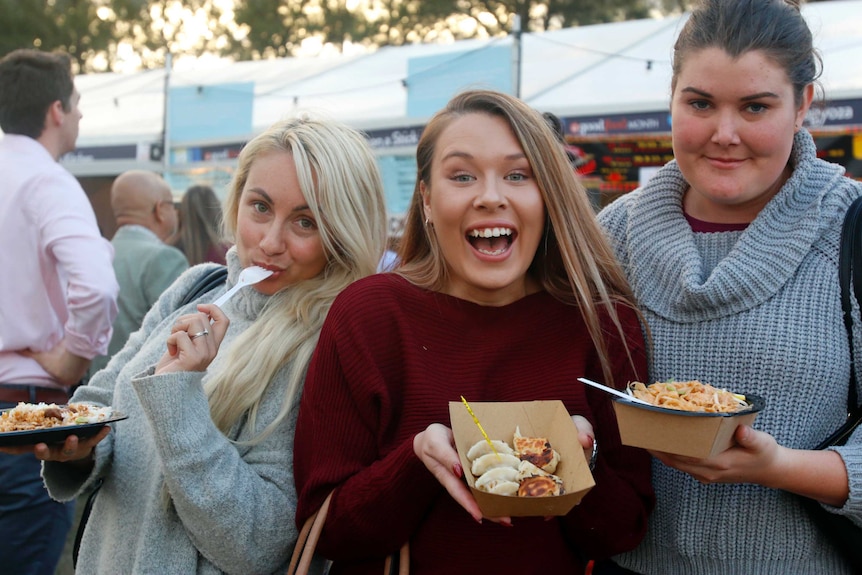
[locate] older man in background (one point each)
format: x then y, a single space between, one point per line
144 264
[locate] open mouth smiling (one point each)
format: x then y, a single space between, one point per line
491 241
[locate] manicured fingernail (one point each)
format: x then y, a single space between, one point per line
506 523
478 520
458 470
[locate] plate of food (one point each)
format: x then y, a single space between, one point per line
31 423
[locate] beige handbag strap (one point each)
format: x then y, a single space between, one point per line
303 552
307 540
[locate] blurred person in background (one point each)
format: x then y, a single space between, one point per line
580 161
58 287
559 131
200 236
144 264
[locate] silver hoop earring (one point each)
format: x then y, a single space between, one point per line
427 221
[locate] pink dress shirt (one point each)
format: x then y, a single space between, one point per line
56 274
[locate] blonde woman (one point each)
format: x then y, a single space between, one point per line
199 478
507 291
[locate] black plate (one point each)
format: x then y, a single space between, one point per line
756 402
56 434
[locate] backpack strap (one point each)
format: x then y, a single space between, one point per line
849 276
207 282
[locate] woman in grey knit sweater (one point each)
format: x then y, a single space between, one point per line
199 478
732 252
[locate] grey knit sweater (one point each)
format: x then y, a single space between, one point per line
230 508
755 311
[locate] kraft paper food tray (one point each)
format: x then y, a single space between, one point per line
536 419
686 433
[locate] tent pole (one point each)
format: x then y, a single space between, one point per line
516 54
166 119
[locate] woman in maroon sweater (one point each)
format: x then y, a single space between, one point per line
507 291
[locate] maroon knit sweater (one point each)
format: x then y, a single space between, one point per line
390 358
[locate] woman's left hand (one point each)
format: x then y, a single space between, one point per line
194 341
586 435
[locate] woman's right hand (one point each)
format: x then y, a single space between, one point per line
194 341
436 448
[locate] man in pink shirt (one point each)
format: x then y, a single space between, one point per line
57 288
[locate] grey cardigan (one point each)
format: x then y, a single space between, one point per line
755 311
178 496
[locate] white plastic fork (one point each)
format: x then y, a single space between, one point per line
612 391
249 276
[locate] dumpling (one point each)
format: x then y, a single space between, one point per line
527 470
481 448
540 487
535 482
536 450
491 461
489 480
547 459
504 488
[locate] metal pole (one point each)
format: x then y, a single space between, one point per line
516 54
166 120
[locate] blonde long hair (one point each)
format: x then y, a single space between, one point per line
341 183
574 262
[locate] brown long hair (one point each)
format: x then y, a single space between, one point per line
574 262
200 223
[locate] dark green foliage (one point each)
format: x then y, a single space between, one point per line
68 25
277 27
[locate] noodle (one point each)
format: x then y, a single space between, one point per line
688 396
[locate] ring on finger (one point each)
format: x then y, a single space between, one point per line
200 334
